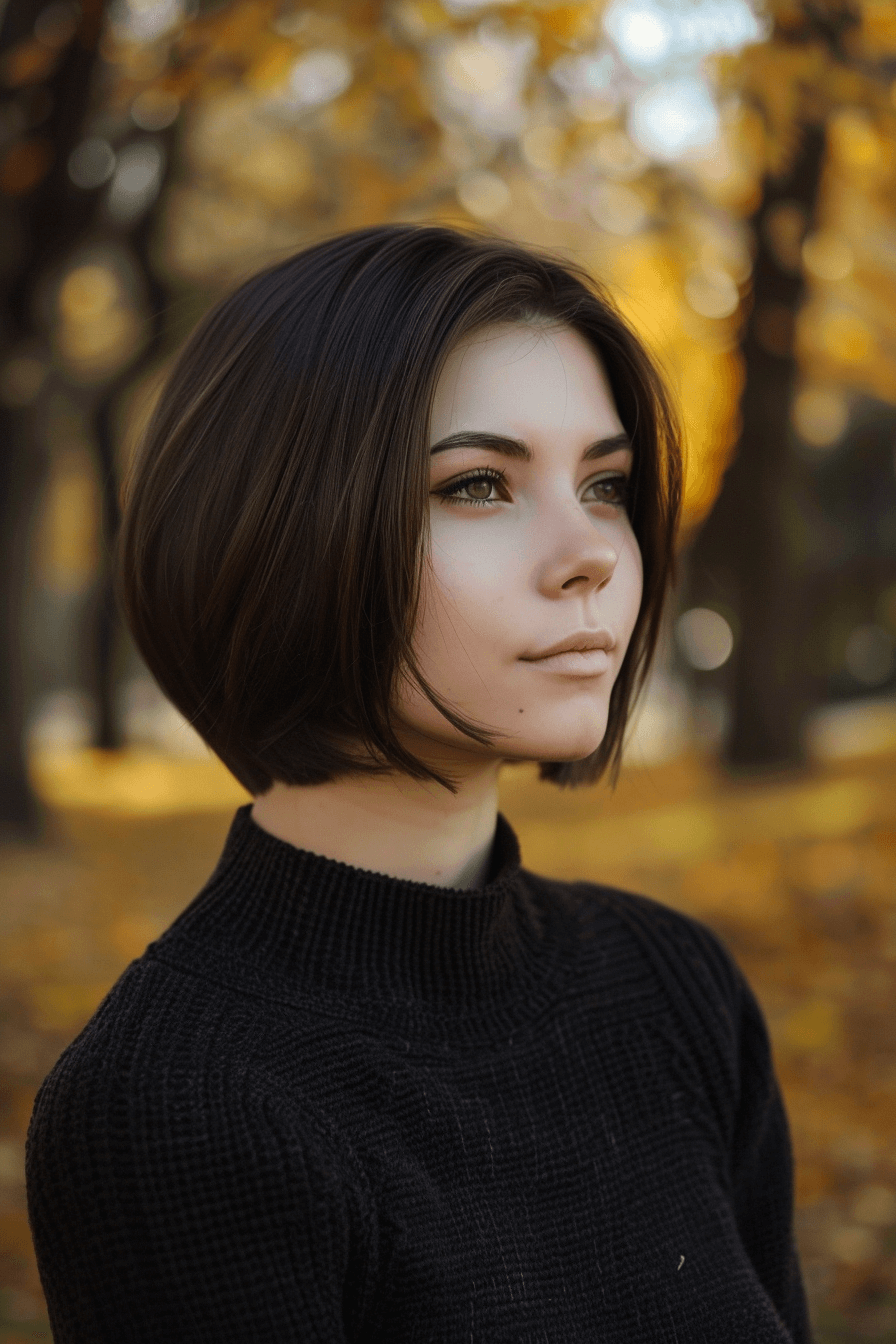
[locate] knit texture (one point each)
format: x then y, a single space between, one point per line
328 1105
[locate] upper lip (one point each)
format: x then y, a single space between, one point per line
580 642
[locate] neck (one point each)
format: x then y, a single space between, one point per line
392 824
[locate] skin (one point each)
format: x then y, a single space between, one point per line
516 565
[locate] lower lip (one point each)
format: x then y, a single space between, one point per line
587 663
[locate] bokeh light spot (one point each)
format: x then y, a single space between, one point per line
846 337
136 181
319 76
820 415
712 293
641 31
154 109
87 291
827 256
652 33
145 21
705 638
91 163
853 1245
542 147
870 655
482 194
588 82
480 79
853 138
617 156
617 209
670 118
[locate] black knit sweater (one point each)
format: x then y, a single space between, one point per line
328 1105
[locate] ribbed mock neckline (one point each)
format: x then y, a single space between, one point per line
322 926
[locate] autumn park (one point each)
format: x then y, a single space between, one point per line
728 169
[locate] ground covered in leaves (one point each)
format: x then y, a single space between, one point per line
796 873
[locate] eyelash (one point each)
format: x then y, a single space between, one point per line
451 492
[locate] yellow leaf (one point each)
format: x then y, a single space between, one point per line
817 1025
64 1007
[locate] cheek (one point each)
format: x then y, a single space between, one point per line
471 571
461 597
628 579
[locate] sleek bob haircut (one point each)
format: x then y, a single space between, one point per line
276 517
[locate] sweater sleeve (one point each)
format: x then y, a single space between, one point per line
723 1019
760 1152
762 1171
186 1208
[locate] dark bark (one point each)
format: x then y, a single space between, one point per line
22 471
747 555
107 618
39 221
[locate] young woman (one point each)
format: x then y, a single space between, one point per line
405 512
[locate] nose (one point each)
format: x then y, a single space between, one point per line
582 558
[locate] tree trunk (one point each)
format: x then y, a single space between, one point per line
746 556
41 215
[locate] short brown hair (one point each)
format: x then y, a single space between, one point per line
275 518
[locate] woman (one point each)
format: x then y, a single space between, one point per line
405 512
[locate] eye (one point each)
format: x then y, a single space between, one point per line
480 486
610 489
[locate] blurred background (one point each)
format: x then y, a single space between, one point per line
728 167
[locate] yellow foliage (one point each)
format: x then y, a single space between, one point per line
136 783
846 337
87 293
566 26
98 329
279 173
816 1025
710 383
211 234
381 149
34 949
746 886
223 126
129 934
828 868
879 26
66 1006
15 1239
854 141
271 67
420 20
68 538
232 29
707 381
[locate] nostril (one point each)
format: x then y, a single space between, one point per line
579 578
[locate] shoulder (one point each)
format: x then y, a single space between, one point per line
159 1153
172 1063
686 954
694 980
155 1020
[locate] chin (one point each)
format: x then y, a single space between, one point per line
575 744
567 756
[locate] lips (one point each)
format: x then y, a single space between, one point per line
574 662
583 641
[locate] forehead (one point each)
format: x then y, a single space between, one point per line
524 379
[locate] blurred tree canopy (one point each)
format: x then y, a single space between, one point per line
727 167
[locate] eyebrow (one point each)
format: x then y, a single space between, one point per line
509 447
